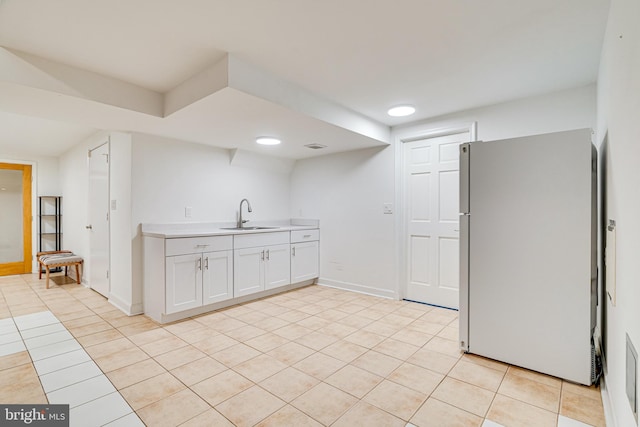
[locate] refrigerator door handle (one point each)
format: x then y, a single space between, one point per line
465 152
464 283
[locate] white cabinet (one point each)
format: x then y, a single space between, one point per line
183 282
260 262
277 266
184 276
304 255
193 277
217 276
248 271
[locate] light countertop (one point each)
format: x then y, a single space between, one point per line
193 229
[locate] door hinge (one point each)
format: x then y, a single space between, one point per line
107 216
107 274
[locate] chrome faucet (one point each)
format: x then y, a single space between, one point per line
240 220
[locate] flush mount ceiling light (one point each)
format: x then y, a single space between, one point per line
401 110
268 140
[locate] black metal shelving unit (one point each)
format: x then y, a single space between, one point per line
50 224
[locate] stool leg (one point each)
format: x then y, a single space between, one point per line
78 272
47 267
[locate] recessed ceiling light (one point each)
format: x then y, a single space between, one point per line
401 111
267 140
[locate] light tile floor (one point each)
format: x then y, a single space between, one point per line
310 357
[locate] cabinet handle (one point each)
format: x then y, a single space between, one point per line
262 255
293 251
201 246
200 264
306 236
206 263
267 255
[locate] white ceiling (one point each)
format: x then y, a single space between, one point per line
318 66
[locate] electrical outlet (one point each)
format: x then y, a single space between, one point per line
387 208
187 212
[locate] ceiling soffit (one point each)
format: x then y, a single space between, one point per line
108 103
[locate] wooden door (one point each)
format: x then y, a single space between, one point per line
15 219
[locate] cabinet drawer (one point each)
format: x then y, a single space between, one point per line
305 235
260 239
190 245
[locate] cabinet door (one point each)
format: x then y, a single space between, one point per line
248 271
217 276
183 282
277 266
304 261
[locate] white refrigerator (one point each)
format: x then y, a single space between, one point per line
528 285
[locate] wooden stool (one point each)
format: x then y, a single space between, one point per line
55 259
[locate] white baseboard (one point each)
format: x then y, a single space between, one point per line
384 293
609 414
123 306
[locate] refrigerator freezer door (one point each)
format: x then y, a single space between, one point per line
529 253
464 247
464 283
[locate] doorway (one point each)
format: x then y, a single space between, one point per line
15 219
430 236
98 226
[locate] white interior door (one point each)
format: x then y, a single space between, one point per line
431 221
99 219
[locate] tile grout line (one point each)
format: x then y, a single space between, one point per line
356 321
75 364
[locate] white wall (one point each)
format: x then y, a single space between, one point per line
45 173
120 229
346 192
554 112
169 175
619 134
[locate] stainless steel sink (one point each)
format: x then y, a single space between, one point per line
248 228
